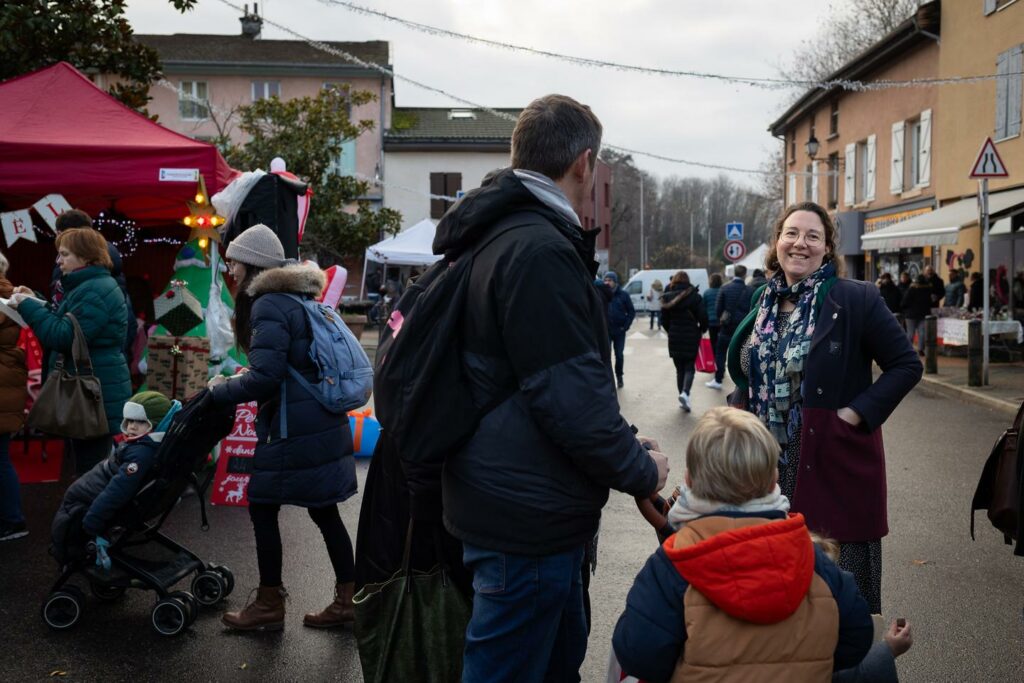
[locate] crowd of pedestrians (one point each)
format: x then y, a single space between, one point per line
743 584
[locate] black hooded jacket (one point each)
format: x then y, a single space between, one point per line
536 473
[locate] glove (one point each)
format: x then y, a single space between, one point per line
102 558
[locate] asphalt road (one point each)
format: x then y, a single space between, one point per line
963 598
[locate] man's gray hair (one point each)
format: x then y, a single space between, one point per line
551 133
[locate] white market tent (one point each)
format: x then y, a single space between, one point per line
411 247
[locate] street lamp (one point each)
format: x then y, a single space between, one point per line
812 147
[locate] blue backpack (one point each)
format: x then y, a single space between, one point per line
344 371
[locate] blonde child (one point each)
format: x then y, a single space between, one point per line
740 590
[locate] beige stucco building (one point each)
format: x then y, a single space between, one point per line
930 217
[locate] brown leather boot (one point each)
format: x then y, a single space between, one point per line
265 613
338 613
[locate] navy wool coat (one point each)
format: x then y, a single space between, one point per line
313 466
841 488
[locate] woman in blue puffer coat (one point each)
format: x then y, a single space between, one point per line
309 463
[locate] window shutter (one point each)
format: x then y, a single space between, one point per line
924 154
1002 85
849 187
869 177
791 194
896 168
452 184
814 182
1013 91
347 162
437 206
990 7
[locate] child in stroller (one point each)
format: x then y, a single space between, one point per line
141 481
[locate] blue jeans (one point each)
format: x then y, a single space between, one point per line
10 489
618 340
528 621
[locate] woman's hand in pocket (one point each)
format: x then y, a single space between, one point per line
849 416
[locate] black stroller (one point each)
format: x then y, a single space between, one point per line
141 556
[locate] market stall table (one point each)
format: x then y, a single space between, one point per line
953 331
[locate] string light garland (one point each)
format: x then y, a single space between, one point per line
755 81
129 244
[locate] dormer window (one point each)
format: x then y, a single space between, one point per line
461 114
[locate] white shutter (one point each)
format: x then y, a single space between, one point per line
896 168
849 184
990 7
814 182
924 153
791 194
1013 91
1002 86
869 177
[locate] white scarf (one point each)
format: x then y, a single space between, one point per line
689 507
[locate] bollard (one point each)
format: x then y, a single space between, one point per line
974 354
931 364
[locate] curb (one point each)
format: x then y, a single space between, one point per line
937 387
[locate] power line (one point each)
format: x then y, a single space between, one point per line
337 52
754 81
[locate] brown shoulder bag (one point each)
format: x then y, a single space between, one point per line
1001 487
71 404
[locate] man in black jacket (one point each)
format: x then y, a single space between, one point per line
525 493
732 306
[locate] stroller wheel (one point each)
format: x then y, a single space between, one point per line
225 573
62 609
209 588
190 603
170 617
106 593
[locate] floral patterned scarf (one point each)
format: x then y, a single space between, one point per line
775 379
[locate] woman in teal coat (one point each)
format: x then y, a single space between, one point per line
93 296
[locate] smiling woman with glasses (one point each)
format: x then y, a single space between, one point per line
801 361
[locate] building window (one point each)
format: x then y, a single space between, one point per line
833 119
833 180
792 147
446 184
262 90
1008 92
913 153
808 183
995 5
461 115
193 100
813 117
864 179
345 163
607 195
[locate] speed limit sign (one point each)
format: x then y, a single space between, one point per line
734 250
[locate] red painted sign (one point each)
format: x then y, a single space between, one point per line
234 465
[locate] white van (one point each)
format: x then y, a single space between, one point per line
640 284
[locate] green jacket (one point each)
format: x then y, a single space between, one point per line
97 302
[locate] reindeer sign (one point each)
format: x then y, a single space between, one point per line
235 463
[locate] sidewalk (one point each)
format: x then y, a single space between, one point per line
1005 390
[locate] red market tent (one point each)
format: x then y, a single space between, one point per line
59 133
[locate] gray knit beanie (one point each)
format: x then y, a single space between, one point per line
257 246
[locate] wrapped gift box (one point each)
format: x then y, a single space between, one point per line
178 367
178 309
365 431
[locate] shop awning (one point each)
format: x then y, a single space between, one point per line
940 226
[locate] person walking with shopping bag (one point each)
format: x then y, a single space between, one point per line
304 451
684 315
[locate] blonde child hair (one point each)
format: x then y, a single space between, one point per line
732 457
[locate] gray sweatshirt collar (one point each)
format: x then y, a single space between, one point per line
549 194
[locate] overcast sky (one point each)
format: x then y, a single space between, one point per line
700 120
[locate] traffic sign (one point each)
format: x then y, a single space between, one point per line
733 231
989 164
734 250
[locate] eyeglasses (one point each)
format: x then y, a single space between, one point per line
792 236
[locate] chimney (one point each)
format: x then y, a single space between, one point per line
252 24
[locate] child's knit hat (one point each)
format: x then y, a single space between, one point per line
146 406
